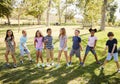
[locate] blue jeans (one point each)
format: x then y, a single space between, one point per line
88 49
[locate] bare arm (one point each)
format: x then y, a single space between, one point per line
95 43
105 50
65 44
113 48
80 47
34 44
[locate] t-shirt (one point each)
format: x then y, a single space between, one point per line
10 43
49 44
110 44
23 41
39 42
91 41
76 42
62 41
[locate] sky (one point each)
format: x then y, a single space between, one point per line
118 10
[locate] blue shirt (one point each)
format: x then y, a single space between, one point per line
110 44
76 42
49 44
23 41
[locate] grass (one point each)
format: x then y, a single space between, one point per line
28 73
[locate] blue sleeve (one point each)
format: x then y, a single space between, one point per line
79 39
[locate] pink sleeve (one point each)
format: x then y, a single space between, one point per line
96 38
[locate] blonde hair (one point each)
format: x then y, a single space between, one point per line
63 32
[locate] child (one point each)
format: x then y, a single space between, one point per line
92 40
111 45
49 47
62 46
10 47
38 43
76 47
23 47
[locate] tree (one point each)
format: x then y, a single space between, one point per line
6 7
37 8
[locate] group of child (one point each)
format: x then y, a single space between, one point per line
41 42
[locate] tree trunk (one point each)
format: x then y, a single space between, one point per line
8 19
59 13
48 13
103 15
66 13
38 19
18 23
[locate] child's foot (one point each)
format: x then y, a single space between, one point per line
21 62
82 64
99 63
48 65
43 65
118 71
52 64
38 65
58 65
30 61
70 63
8 65
14 66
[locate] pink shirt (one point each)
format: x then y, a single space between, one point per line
39 42
91 41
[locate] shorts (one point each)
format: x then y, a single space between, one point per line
65 49
23 51
90 49
76 52
49 52
109 57
39 49
12 51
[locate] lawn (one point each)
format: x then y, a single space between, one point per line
29 74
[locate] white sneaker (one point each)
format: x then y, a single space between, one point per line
38 65
43 65
101 68
48 65
52 64
118 71
68 64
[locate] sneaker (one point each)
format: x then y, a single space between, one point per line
58 65
118 71
82 64
52 64
99 63
7 65
21 62
30 61
38 65
14 66
43 65
70 63
48 65
101 68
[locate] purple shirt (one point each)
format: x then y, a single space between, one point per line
39 42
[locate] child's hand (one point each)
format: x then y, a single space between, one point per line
111 54
46 40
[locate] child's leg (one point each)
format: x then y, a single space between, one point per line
118 65
71 54
6 57
48 54
51 55
116 60
21 54
80 59
37 57
40 55
86 53
59 55
13 57
66 56
95 55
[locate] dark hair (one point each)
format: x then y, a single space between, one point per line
23 31
77 30
49 29
110 34
12 35
90 30
39 33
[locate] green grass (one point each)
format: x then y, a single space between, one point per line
28 73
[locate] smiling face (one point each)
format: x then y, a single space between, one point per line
92 33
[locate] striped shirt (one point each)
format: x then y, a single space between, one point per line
49 44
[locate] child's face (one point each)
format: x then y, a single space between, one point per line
49 32
61 32
92 33
9 33
38 34
76 33
24 33
110 37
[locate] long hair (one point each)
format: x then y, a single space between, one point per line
12 35
39 33
63 32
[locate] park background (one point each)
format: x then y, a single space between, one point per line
32 15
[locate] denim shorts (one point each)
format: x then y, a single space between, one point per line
24 51
90 49
39 49
115 56
75 52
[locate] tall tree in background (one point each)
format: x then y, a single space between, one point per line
37 8
6 7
